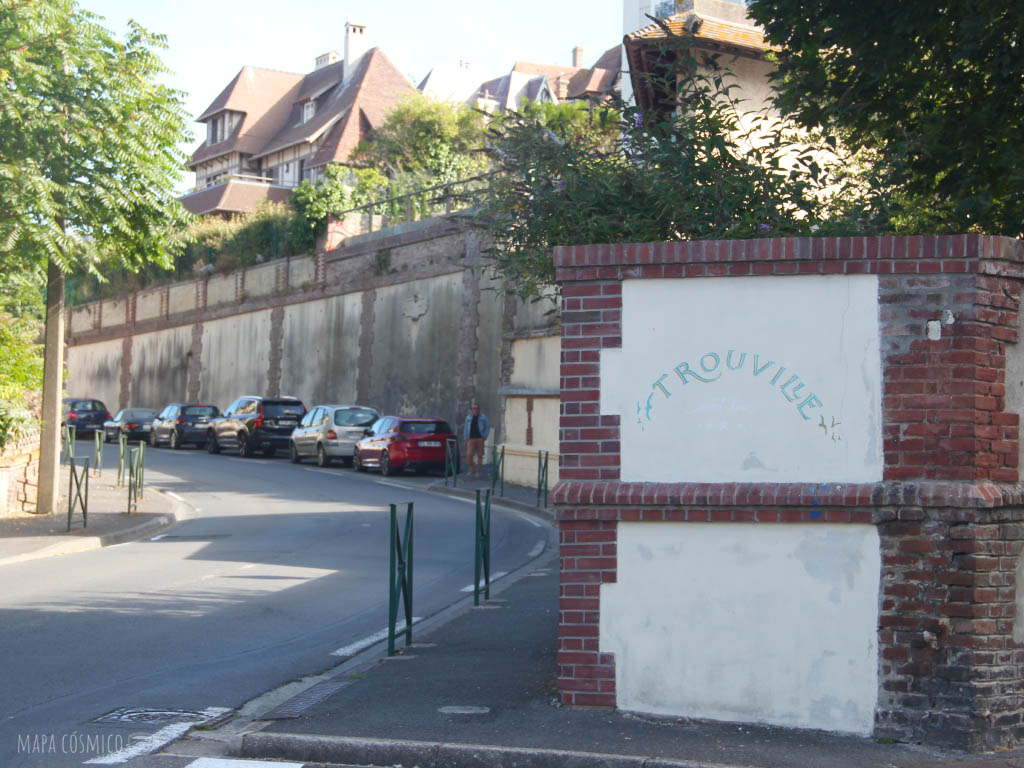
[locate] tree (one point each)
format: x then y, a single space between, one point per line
88 163
932 91
704 170
426 137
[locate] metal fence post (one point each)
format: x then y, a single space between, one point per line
68 448
400 575
76 496
142 468
122 456
133 480
498 469
542 478
97 454
482 561
451 462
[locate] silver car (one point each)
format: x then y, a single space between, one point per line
331 432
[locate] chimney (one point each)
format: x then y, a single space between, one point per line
577 57
326 59
355 46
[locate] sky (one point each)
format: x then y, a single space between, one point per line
208 42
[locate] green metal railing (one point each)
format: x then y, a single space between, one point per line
542 479
97 455
122 458
400 575
451 462
482 561
498 470
78 491
67 444
136 472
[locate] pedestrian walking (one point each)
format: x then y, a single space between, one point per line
475 433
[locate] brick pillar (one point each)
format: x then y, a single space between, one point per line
948 507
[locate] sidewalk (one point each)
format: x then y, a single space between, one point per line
480 691
30 537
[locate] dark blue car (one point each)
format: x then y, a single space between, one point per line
86 416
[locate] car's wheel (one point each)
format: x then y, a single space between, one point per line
385 465
322 459
244 449
293 454
175 441
356 463
152 439
212 446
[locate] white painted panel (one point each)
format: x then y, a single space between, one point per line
748 379
752 623
94 370
235 358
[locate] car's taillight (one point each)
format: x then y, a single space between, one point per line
259 419
106 415
180 420
72 414
332 435
133 426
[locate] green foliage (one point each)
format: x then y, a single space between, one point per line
88 142
431 139
932 91
706 171
21 374
593 125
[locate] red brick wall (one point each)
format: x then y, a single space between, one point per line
19 463
948 507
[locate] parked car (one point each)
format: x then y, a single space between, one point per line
133 423
394 444
85 415
253 424
331 432
182 423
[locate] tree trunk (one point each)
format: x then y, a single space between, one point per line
53 380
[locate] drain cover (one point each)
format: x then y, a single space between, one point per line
139 715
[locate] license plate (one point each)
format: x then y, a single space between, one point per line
286 422
146 427
430 444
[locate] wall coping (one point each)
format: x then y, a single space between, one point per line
981 495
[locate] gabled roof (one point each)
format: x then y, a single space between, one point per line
232 196
598 81
264 96
558 76
707 30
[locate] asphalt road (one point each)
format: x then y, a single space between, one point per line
282 566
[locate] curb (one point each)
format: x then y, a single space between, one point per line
547 513
427 754
179 511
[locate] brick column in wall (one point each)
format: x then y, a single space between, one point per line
949 508
195 363
276 352
364 377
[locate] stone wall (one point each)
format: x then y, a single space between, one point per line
945 500
19 476
405 320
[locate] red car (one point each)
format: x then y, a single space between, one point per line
394 444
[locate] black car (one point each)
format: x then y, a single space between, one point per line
85 415
182 423
252 424
133 423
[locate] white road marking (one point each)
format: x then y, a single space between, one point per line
155 741
173 495
530 520
247 566
226 762
376 637
161 536
403 486
463 710
537 549
330 472
494 577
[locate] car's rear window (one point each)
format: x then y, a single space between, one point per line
282 410
424 428
140 415
354 417
87 405
196 411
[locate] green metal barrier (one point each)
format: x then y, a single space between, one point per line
400 576
498 470
542 479
97 454
122 457
451 462
78 491
136 462
482 561
67 447
142 468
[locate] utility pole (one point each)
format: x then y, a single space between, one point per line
53 387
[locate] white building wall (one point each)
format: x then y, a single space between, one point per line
760 623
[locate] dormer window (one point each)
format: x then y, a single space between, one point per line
308 110
217 129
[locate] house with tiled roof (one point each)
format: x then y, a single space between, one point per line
715 27
267 131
